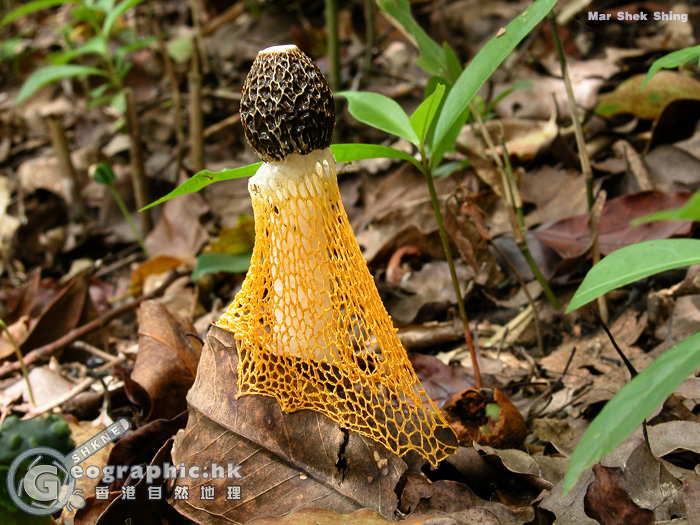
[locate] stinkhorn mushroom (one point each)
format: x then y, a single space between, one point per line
310 327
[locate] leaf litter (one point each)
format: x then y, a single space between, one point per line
301 467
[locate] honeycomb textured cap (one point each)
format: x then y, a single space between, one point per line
287 106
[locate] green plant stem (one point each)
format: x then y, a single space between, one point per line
427 173
332 50
578 130
20 360
515 206
129 220
522 238
369 39
194 79
582 152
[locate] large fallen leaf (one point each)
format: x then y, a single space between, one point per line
647 102
289 461
571 238
66 311
166 364
325 516
608 502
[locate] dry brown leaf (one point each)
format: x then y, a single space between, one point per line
166 364
289 461
179 232
607 500
66 311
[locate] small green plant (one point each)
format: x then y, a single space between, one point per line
103 174
650 388
672 60
17 436
92 27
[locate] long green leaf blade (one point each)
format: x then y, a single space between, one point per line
690 211
631 263
671 61
220 262
351 152
47 75
118 11
381 112
201 180
431 59
31 7
632 404
341 152
93 46
484 64
424 114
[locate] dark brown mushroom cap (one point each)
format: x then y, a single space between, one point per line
287 106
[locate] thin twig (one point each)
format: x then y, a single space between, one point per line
77 388
628 364
369 39
49 349
332 50
514 205
18 353
69 177
175 92
196 126
138 175
586 170
199 38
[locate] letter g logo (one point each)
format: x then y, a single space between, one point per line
42 482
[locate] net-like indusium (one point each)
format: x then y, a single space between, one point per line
309 323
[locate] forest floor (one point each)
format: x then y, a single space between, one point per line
108 332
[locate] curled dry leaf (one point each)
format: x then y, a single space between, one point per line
607 500
166 364
487 416
290 461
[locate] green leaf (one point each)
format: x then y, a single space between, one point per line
103 174
135 46
31 7
632 404
380 112
204 178
449 139
518 85
220 262
431 59
484 64
671 61
351 152
118 102
95 45
631 263
341 152
118 11
180 49
454 68
47 75
424 114
690 211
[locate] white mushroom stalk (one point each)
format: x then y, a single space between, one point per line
310 327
